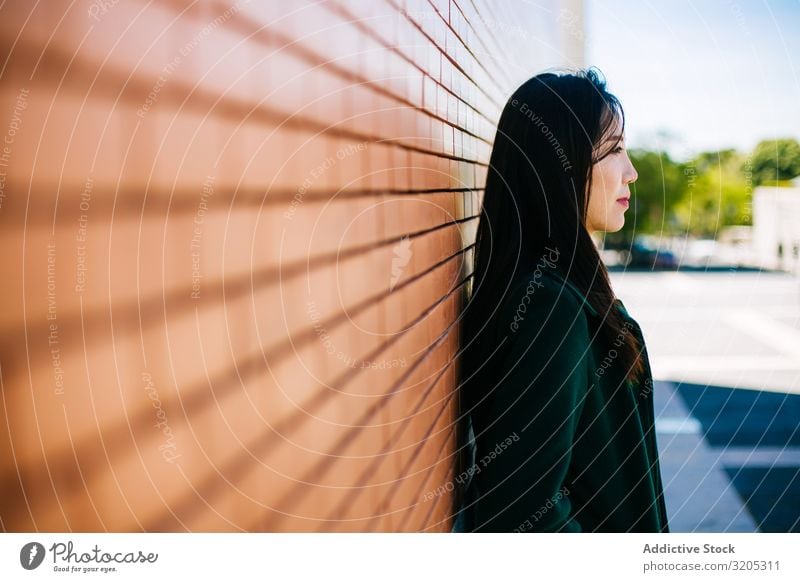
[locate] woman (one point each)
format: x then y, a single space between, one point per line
555 372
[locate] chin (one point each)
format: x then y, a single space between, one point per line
614 226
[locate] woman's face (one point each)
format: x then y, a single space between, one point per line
609 196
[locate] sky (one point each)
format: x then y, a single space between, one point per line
699 75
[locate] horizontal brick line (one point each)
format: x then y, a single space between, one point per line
310 335
133 202
193 98
455 63
233 288
196 401
272 37
295 46
369 32
144 314
239 467
288 195
464 44
486 26
376 86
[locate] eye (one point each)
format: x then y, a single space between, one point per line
617 150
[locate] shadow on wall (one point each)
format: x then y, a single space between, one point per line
236 237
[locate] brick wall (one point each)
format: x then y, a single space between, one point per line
235 242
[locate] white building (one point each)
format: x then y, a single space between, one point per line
776 227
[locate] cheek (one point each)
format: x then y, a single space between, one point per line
606 179
602 188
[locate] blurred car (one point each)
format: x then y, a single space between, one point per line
643 255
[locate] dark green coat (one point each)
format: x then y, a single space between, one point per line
563 442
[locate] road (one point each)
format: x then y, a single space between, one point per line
724 347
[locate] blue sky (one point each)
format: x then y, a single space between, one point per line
711 73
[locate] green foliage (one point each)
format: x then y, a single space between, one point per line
775 160
718 194
655 193
697 197
700 196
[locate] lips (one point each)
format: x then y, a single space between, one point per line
624 201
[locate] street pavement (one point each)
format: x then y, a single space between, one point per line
724 347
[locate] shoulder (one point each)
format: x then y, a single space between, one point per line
548 287
546 338
541 302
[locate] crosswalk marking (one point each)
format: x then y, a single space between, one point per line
678 425
664 366
761 456
783 338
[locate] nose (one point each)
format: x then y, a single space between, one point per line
631 175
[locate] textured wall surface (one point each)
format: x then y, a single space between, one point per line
235 243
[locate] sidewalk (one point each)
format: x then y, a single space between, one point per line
724 447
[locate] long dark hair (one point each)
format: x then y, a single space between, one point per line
551 132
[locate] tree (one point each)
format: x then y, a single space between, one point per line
775 160
660 186
716 195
